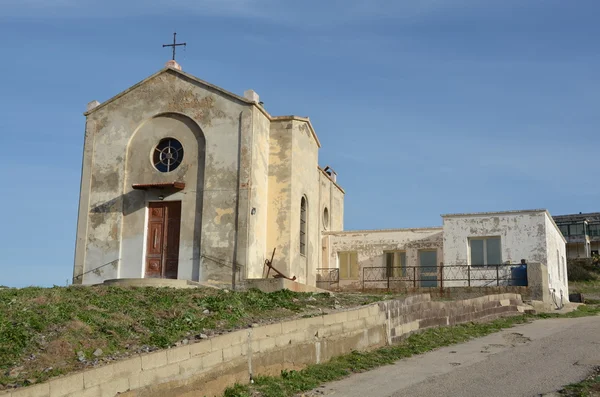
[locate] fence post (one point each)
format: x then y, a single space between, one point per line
414 277
469 275
363 279
441 276
388 279
497 275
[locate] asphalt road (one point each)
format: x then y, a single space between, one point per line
527 360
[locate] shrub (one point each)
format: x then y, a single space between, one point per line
582 270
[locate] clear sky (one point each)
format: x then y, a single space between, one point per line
423 107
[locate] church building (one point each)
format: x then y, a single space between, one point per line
184 180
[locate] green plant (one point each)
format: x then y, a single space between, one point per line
290 383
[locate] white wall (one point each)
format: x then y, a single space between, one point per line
529 235
557 260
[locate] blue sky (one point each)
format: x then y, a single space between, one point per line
423 107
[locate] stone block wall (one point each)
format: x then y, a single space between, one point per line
208 367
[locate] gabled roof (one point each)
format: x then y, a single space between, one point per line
226 93
174 70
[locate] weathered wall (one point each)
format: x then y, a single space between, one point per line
523 235
259 195
225 124
138 170
305 182
208 367
529 235
331 216
557 259
280 191
370 246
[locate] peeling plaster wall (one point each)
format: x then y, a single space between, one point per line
135 202
325 201
226 126
529 235
332 198
259 195
557 259
523 236
279 203
305 177
370 246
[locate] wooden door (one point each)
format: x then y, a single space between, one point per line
162 245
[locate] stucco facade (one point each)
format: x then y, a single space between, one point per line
371 247
530 235
405 258
239 184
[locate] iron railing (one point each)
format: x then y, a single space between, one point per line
444 276
327 278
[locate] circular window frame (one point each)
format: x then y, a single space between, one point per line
325 218
167 155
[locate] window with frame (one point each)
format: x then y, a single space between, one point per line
167 155
348 265
576 229
594 229
395 263
485 251
303 214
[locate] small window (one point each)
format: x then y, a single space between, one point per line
325 218
594 229
167 155
348 265
576 230
395 263
485 251
303 206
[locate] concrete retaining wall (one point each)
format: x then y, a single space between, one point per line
208 367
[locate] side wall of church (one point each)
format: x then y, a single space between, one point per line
331 213
305 177
227 145
337 208
259 195
279 201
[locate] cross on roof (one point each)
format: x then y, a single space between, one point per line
175 44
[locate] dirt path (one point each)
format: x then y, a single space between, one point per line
527 360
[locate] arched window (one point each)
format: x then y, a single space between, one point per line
303 211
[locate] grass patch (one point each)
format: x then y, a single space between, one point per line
46 332
585 287
293 382
589 387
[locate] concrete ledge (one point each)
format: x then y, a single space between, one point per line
210 366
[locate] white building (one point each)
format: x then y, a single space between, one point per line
478 249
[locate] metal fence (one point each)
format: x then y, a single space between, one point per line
328 278
444 276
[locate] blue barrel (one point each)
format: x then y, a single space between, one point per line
518 275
